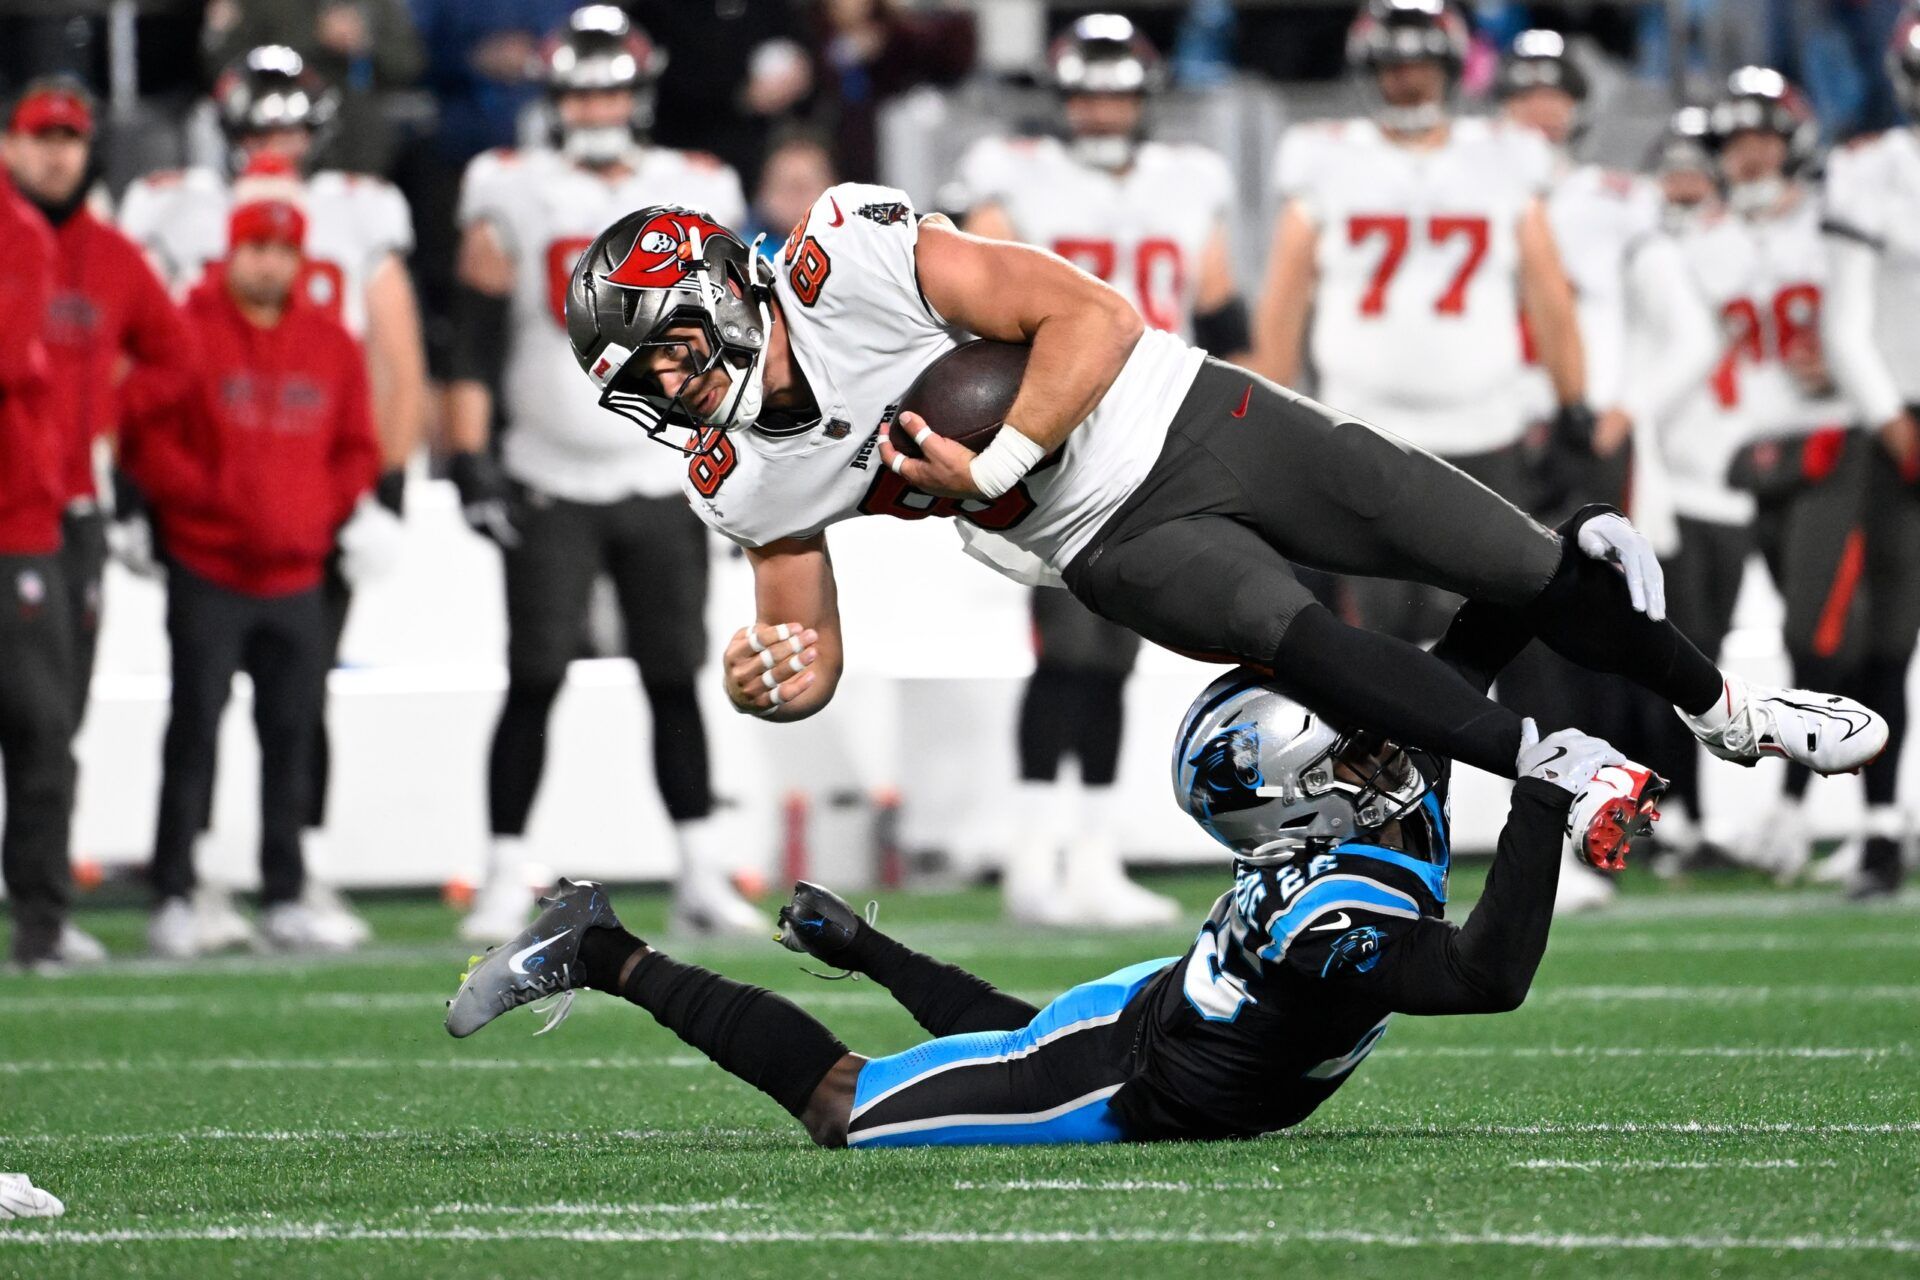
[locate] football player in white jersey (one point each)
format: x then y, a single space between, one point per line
359 232
1605 222
1170 491
1408 246
1150 218
575 493
1710 263
1804 462
1872 328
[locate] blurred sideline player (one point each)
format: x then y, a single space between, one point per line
1335 921
359 232
1605 223
576 493
1807 466
109 315
1871 325
1408 245
1149 218
1697 443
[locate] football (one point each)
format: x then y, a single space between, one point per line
965 394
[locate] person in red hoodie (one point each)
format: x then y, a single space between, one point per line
250 477
108 310
36 717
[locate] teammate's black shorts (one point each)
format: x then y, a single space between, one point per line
655 552
1253 476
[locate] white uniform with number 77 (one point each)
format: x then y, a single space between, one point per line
1416 318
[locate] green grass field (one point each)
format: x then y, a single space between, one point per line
1706 1081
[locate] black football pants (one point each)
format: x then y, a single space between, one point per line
281 643
83 563
36 749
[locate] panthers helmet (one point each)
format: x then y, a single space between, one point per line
1903 62
1258 772
601 49
657 269
1761 99
270 88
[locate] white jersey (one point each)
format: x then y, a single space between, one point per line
353 223
1143 231
861 332
1776 314
1599 217
1416 311
1873 200
546 210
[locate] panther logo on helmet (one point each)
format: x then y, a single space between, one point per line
664 251
1227 770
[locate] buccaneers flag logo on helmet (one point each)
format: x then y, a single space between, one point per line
664 251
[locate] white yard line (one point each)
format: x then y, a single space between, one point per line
1127 1185
56 1066
1388 1052
1719 994
1559 1242
1743 943
1588 1166
572 1209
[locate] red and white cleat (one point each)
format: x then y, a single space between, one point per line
1617 806
1823 731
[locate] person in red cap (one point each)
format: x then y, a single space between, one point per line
36 717
251 477
109 313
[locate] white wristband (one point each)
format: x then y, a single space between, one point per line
1002 464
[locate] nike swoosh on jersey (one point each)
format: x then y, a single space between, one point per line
513 961
836 219
1246 398
1340 921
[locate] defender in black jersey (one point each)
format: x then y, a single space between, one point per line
1335 922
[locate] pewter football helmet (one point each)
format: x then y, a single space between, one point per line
1258 772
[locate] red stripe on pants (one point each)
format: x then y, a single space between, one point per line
1846 580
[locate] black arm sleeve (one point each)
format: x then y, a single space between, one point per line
1487 964
479 336
1224 331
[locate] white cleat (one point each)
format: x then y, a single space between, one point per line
500 910
1580 888
1781 845
1101 893
171 934
296 927
1823 731
327 903
708 906
1033 889
1839 867
78 947
19 1198
218 924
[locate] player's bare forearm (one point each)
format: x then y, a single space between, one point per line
396 362
1280 328
786 664
1081 330
1546 295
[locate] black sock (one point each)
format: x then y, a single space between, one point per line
1882 685
603 954
1585 615
762 1038
1362 679
944 999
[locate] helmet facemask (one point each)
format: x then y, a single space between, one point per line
726 303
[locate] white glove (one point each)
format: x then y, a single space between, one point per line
372 542
1568 759
19 1198
130 541
1614 539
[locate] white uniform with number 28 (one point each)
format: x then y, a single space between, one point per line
1416 311
1144 231
546 210
861 331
